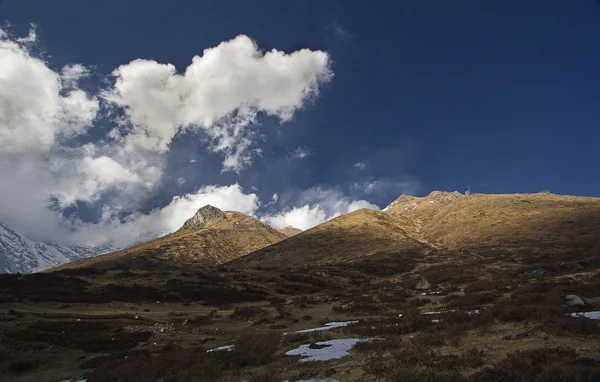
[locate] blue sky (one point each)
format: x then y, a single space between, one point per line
498 96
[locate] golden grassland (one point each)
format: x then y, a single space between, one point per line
512 258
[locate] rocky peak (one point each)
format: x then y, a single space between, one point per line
204 215
407 203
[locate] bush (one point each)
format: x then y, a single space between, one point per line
544 364
246 313
255 349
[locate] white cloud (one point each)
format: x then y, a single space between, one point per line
31 37
166 219
360 165
300 153
384 187
71 74
317 206
221 93
34 111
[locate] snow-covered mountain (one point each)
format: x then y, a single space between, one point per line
18 254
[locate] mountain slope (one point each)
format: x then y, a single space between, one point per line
344 239
18 254
456 221
443 221
289 231
210 237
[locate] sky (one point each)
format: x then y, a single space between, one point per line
118 120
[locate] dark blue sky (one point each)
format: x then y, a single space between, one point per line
503 96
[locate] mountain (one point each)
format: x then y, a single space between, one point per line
443 221
289 231
458 288
455 221
210 237
344 239
18 254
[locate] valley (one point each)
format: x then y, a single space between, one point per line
440 288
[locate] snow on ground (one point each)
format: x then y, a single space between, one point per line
221 348
327 350
328 326
590 315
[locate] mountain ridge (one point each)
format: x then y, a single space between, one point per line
210 237
445 221
19 254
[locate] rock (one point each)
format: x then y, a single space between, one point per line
422 284
570 266
322 274
204 215
539 272
574 300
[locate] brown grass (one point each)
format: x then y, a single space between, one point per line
219 243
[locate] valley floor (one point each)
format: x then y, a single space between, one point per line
485 315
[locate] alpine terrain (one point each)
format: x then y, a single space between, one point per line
18 254
446 287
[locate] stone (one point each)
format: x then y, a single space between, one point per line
574 300
422 284
570 266
203 216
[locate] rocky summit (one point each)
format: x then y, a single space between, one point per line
204 217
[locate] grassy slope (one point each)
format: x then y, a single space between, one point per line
516 263
216 244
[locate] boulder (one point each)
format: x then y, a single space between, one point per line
422 284
574 300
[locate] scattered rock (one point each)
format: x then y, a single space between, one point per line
422 284
322 274
574 300
570 266
539 272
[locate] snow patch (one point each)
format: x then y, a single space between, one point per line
590 315
327 350
328 326
221 348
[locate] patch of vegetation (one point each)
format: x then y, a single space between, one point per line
175 364
87 336
544 364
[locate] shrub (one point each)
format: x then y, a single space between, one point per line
544 364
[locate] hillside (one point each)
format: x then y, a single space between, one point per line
210 237
440 288
289 231
344 239
455 221
443 221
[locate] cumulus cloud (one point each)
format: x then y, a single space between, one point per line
170 217
316 206
360 165
36 107
219 93
43 112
